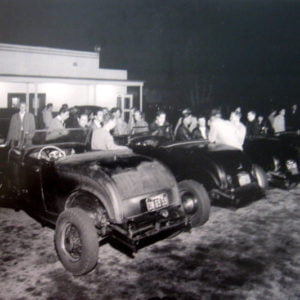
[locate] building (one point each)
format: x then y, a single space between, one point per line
40 75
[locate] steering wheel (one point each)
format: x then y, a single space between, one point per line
60 151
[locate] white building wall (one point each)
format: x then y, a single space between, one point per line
59 93
42 61
65 76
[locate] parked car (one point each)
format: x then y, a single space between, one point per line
90 195
226 173
279 158
291 139
5 116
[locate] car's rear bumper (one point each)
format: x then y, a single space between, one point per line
237 196
283 180
171 220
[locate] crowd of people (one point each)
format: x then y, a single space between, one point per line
102 126
233 131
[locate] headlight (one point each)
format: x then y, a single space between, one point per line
276 164
291 165
189 203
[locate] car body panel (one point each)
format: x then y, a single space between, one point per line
120 181
273 154
218 167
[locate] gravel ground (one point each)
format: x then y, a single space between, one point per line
246 253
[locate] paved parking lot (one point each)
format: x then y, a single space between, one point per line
246 253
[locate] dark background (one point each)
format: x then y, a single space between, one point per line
189 52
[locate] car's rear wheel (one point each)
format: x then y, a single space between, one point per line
76 241
195 201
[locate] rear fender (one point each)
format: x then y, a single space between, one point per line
91 196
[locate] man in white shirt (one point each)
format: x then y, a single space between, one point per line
240 128
279 121
222 131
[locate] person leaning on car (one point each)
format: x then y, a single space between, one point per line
21 127
102 138
57 128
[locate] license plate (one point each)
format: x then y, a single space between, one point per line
157 202
244 179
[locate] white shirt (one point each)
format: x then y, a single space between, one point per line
279 123
22 118
203 132
223 132
240 130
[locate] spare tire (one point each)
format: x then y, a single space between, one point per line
195 201
76 241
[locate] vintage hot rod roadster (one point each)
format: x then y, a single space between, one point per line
90 195
227 173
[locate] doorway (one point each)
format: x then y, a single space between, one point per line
125 103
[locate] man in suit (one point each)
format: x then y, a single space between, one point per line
21 127
200 132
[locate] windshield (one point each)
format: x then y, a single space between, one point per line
44 136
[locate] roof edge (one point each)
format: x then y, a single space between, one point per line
47 50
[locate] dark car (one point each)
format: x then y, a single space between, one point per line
5 116
278 156
226 173
90 195
291 139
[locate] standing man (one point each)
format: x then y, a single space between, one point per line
21 127
186 113
139 125
279 121
252 124
293 118
47 115
98 119
222 131
121 127
240 128
160 126
200 132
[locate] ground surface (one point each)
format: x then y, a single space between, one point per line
248 253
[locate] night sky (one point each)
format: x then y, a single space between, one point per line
199 52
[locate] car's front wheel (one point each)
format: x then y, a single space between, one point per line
261 176
76 241
195 201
